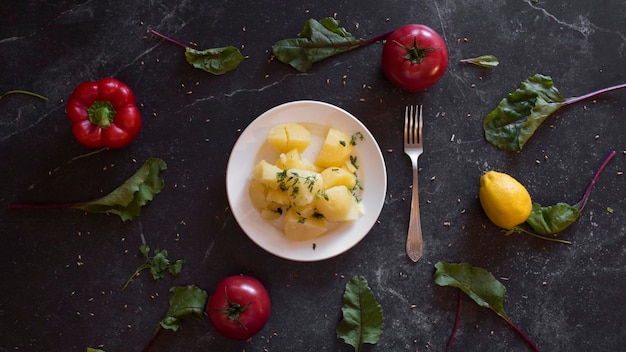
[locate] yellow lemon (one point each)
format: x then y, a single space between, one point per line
505 201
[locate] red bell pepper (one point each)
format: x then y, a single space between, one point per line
104 114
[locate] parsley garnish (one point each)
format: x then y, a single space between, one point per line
356 136
158 264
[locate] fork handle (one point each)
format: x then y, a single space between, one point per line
414 242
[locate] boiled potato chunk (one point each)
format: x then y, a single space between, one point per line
266 200
293 160
258 194
270 213
266 174
277 196
336 204
302 186
335 150
287 136
299 228
336 176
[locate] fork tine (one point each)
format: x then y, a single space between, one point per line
413 124
420 123
407 128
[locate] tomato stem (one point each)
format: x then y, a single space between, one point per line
167 38
234 310
416 54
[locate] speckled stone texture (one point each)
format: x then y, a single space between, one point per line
62 269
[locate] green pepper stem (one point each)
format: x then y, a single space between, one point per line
101 113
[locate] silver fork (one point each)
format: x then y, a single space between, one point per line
413 148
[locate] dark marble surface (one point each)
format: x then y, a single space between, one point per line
62 269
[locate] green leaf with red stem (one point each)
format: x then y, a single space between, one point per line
186 302
362 316
317 41
216 61
126 200
511 124
481 286
556 218
488 61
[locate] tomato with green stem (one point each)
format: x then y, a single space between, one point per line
239 307
414 57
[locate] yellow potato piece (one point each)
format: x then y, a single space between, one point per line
302 186
336 176
293 160
335 150
300 228
266 174
258 194
336 204
277 196
287 136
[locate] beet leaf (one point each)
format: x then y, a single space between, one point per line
511 124
362 316
556 218
126 200
317 41
481 286
216 61
488 61
186 302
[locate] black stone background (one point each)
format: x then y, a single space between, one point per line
62 269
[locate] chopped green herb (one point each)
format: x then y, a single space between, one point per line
353 161
355 137
343 143
158 264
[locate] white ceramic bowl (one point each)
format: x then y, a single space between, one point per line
251 147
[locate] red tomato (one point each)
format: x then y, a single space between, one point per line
239 307
414 57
